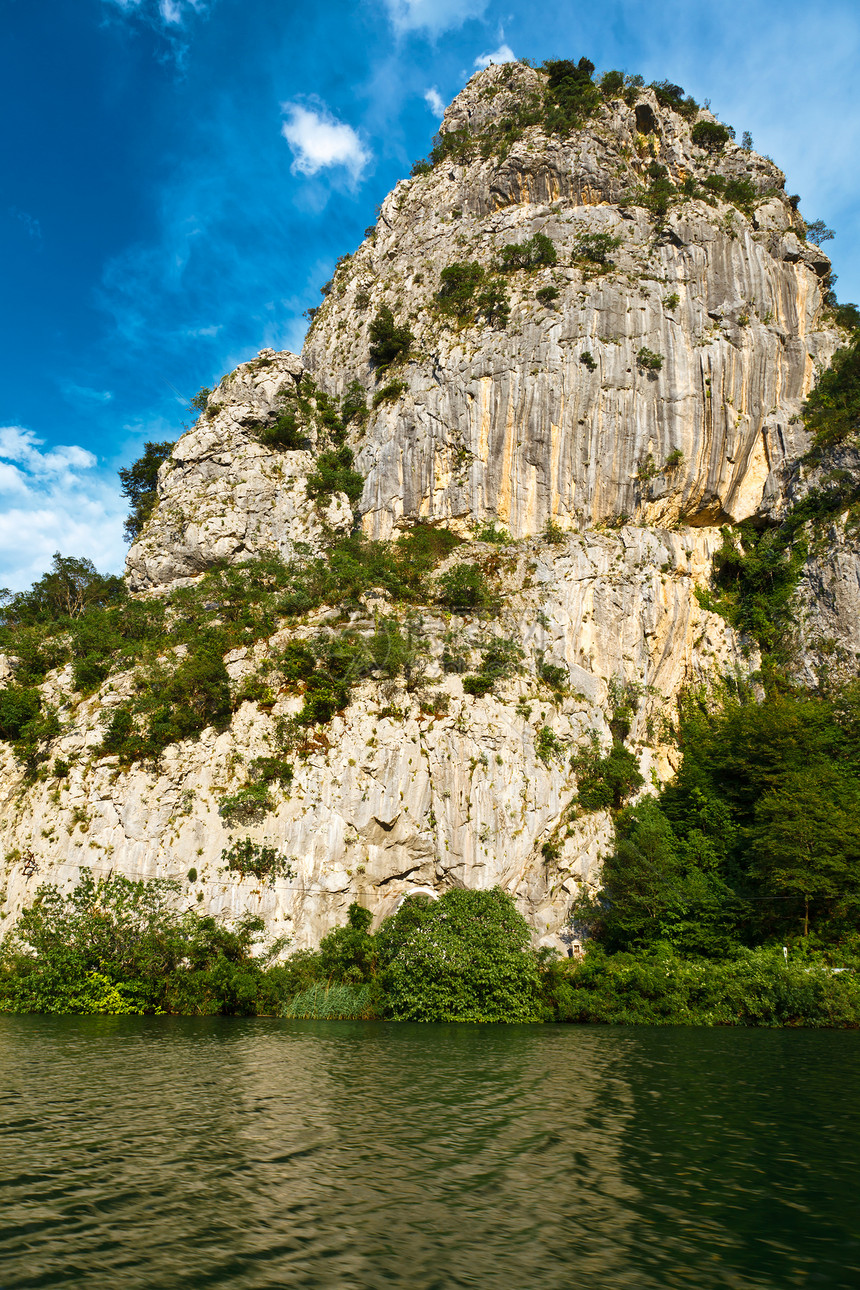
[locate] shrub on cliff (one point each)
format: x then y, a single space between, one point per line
710 135
334 474
535 253
672 96
571 95
467 292
464 587
832 411
388 342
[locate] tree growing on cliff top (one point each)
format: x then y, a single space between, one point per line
139 484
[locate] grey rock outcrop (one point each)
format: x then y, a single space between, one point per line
223 495
555 416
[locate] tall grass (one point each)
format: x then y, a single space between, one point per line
324 1002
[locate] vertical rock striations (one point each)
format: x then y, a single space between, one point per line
600 339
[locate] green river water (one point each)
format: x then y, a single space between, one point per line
177 1152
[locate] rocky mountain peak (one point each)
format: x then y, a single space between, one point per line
577 341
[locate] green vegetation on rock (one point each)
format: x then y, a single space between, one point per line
139 485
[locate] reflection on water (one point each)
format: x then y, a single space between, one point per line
166 1152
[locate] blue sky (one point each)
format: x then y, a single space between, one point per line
181 175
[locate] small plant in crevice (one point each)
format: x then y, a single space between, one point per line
553 674
246 805
587 359
389 393
553 532
257 859
488 532
500 658
648 360
548 746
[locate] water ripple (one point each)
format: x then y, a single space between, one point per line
164 1152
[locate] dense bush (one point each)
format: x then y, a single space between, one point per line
757 838
113 945
536 252
334 474
832 411
672 96
389 343
752 988
464 587
464 957
571 95
605 783
468 292
284 433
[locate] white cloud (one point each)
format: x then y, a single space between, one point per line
54 500
170 13
435 102
84 394
319 141
31 224
504 54
432 15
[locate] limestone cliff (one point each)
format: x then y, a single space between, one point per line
636 388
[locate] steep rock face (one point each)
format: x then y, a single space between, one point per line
554 415
827 603
424 788
223 495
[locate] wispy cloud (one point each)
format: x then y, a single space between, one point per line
61 501
433 15
435 102
504 54
170 13
319 141
31 224
84 394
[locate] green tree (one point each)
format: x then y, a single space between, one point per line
114 945
348 954
69 588
139 484
388 341
805 838
710 135
464 587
